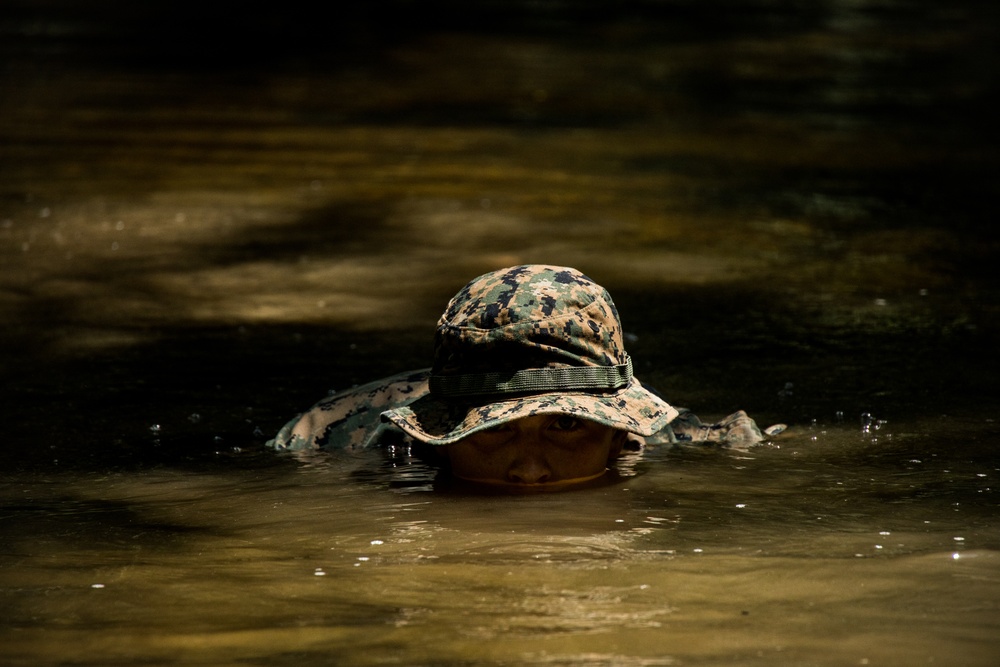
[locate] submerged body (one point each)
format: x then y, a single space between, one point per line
531 386
353 420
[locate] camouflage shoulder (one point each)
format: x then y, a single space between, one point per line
350 419
737 430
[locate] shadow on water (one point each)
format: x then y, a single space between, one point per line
207 396
810 337
185 391
194 35
79 523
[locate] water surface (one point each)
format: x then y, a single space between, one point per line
210 219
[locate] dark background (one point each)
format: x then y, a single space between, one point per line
734 346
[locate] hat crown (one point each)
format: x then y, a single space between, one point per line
529 340
530 316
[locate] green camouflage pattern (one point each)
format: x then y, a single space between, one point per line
523 317
351 420
529 317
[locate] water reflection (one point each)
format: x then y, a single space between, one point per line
317 563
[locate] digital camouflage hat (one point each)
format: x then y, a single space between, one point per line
525 341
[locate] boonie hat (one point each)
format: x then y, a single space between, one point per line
530 340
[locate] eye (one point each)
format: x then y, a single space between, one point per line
490 439
566 423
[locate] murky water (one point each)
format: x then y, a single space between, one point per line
209 219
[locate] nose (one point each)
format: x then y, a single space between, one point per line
529 468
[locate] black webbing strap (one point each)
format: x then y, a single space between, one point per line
533 380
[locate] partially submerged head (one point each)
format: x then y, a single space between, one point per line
531 384
547 450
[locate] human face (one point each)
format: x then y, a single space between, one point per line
542 451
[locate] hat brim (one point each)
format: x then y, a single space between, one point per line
437 422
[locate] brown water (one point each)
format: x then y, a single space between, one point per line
210 218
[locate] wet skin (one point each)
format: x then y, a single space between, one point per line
543 452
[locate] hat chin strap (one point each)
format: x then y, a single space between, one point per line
533 381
